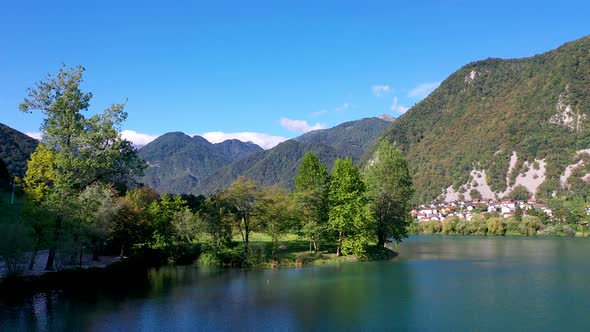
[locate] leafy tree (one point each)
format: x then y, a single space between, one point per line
348 214
187 227
216 224
100 207
240 199
133 224
390 192
311 186
518 213
85 150
520 193
162 214
275 211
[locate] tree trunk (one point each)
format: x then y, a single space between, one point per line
122 250
315 247
380 238
339 248
50 259
247 234
310 243
33 258
52 250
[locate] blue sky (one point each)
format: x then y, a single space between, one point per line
264 70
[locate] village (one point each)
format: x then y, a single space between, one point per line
467 209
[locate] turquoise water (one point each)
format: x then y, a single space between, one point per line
436 284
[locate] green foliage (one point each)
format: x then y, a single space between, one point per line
348 214
78 152
390 192
529 226
275 212
162 214
470 124
519 193
240 199
14 246
311 190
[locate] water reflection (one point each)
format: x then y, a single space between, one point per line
437 283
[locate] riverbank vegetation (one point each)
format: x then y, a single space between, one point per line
79 195
536 223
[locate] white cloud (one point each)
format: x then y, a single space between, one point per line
423 90
343 107
380 90
37 136
300 125
263 140
398 108
318 113
136 138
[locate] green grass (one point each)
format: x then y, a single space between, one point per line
297 253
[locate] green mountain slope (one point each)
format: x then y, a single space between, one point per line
352 138
280 164
177 162
535 108
15 149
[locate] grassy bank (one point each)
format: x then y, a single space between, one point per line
292 251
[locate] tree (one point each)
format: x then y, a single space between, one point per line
216 224
100 208
133 225
390 191
311 197
348 214
85 150
519 193
275 212
240 199
518 213
162 214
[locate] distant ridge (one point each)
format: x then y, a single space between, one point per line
280 164
178 162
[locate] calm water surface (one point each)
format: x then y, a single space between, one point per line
435 284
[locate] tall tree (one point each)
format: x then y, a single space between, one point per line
85 150
311 189
276 213
348 214
240 199
162 214
390 192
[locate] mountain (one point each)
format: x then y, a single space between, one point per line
497 124
351 138
15 149
178 162
280 164
235 149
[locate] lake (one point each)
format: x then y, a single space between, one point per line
448 283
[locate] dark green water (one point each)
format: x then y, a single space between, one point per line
435 284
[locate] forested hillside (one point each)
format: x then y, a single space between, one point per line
534 108
280 164
15 149
178 162
352 138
